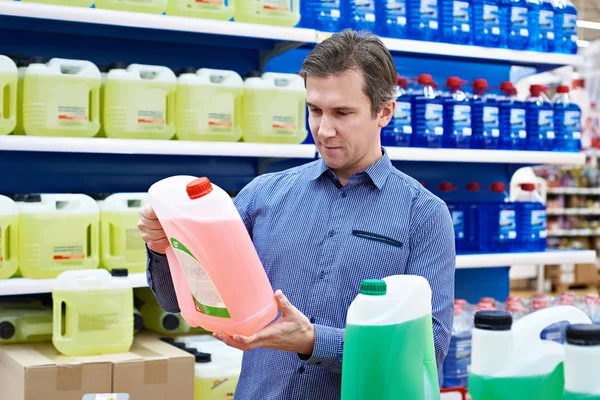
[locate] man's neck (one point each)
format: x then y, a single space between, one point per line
344 174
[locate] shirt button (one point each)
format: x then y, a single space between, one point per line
331 233
322 275
301 369
312 320
344 195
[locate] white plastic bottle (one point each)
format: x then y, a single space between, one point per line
582 362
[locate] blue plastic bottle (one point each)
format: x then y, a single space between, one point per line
531 220
567 122
534 7
422 19
458 212
473 219
456 21
540 120
399 131
504 17
324 16
498 223
457 116
486 23
565 22
513 126
362 14
457 361
546 34
428 115
393 15
518 25
485 116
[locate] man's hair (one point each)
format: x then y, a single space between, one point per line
362 52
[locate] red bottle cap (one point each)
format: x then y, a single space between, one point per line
473 187
198 188
446 187
498 187
528 187
562 89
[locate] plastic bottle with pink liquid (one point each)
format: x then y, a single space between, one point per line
218 277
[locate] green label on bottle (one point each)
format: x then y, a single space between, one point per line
205 294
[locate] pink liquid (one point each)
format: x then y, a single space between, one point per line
227 254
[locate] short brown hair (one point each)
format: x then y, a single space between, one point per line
359 51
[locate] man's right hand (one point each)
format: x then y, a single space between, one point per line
152 231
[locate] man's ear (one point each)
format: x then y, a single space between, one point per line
387 112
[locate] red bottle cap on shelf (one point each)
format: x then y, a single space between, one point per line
425 79
507 86
528 187
480 84
562 89
401 81
473 187
536 90
446 187
455 82
198 188
498 187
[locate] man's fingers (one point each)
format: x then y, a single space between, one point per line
148 212
283 303
145 224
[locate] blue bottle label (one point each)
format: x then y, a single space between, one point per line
462 119
518 21
402 117
491 121
434 119
538 223
547 24
458 218
397 10
429 13
330 8
366 8
546 123
508 224
570 27
573 124
460 16
491 19
517 123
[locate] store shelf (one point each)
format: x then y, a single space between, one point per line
475 53
155 22
573 211
484 156
17 286
573 232
574 190
156 147
541 258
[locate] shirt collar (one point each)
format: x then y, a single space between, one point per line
378 172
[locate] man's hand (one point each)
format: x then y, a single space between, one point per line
293 332
152 231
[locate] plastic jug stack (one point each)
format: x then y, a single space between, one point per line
456 21
274 109
531 219
9 234
391 19
399 130
486 23
518 25
428 114
209 105
61 98
513 126
158 320
92 312
540 120
567 122
485 116
422 20
458 359
143 6
361 14
511 361
457 116
24 321
565 23
139 102
219 279
499 225
388 347
57 232
582 361
268 12
121 245
8 96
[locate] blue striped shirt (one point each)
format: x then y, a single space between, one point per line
317 241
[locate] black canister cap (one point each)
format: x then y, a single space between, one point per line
493 320
116 65
170 322
186 70
119 272
7 330
203 357
583 334
32 198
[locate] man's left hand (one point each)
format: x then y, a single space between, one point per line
292 332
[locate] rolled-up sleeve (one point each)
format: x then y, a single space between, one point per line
329 348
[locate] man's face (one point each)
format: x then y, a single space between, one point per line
344 130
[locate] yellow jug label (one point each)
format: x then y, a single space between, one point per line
284 124
133 240
70 115
276 5
98 322
66 255
150 117
211 2
206 296
218 120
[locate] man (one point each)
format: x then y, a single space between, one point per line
321 228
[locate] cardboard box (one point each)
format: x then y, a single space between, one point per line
39 372
153 370
586 274
581 274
